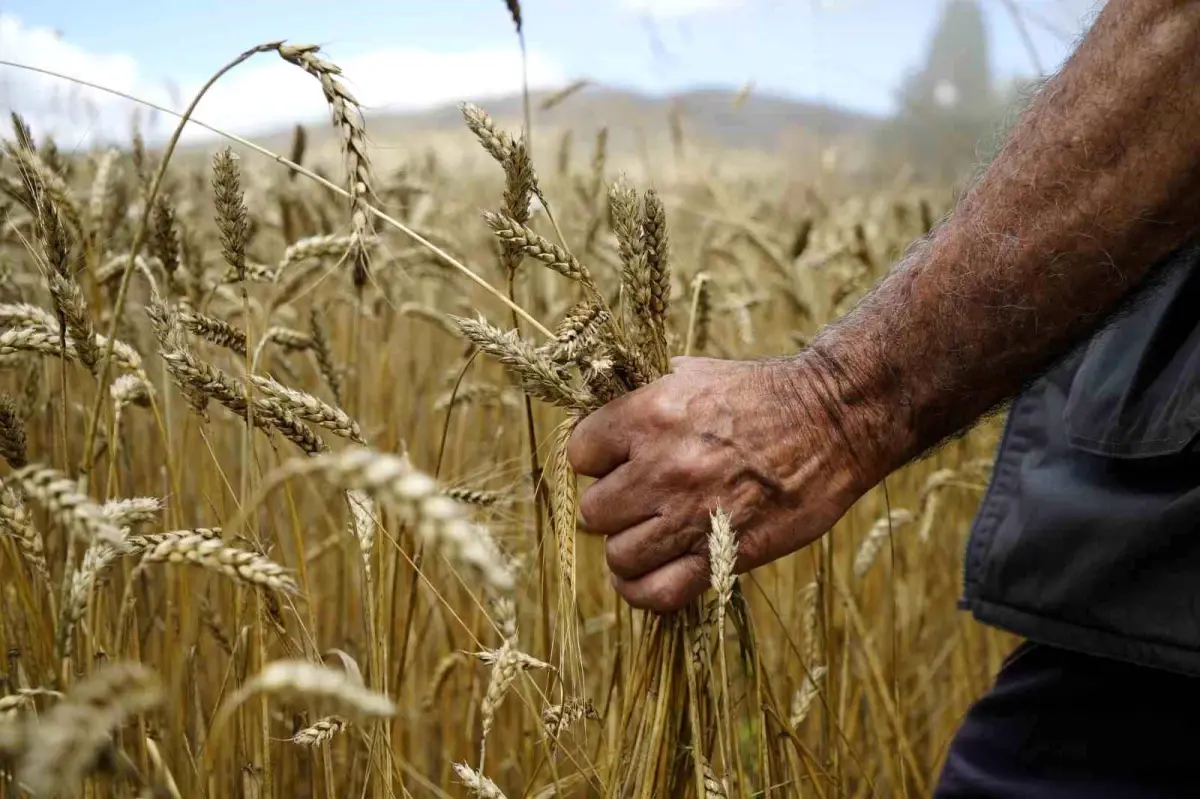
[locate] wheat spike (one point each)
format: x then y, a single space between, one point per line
498 143
523 238
203 380
23 314
559 97
477 394
97 559
215 331
864 559
68 300
564 506
506 664
230 205
657 248
478 784
62 747
557 718
803 699
24 697
722 556
78 514
537 374
810 607
441 673
323 246
309 408
132 511
323 354
320 732
700 319
15 522
130 389
51 186
213 554
165 239
363 522
930 497
714 787
579 333
347 118
100 199
300 679
12 433
520 660
439 520
288 338
478 497
46 340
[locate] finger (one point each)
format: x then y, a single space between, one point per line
618 501
644 548
601 440
666 589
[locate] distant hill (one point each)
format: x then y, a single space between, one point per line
759 122
710 116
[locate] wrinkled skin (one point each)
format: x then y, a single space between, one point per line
754 438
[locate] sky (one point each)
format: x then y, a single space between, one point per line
401 55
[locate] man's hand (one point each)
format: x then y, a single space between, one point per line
754 438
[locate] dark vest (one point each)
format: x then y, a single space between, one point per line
1088 537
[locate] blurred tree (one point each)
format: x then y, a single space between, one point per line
948 110
957 76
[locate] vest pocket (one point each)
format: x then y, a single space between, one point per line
1136 393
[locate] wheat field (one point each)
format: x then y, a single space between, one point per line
286 510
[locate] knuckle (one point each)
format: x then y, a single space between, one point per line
670 597
577 449
687 471
682 470
591 508
621 560
633 599
664 410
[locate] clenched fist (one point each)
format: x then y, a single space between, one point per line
764 440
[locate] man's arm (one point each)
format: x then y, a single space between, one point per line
1099 179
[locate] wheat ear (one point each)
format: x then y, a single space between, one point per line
391 480
78 514
347 117
300 679
15 521
63 746
12 433
320 732
476 783
871 546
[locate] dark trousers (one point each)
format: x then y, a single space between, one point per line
1060 724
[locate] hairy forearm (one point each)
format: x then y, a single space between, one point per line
1099 179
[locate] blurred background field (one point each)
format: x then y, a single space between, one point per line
848 663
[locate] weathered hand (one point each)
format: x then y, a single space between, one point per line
755 438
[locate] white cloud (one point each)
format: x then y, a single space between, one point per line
260 95
676 8
51 104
